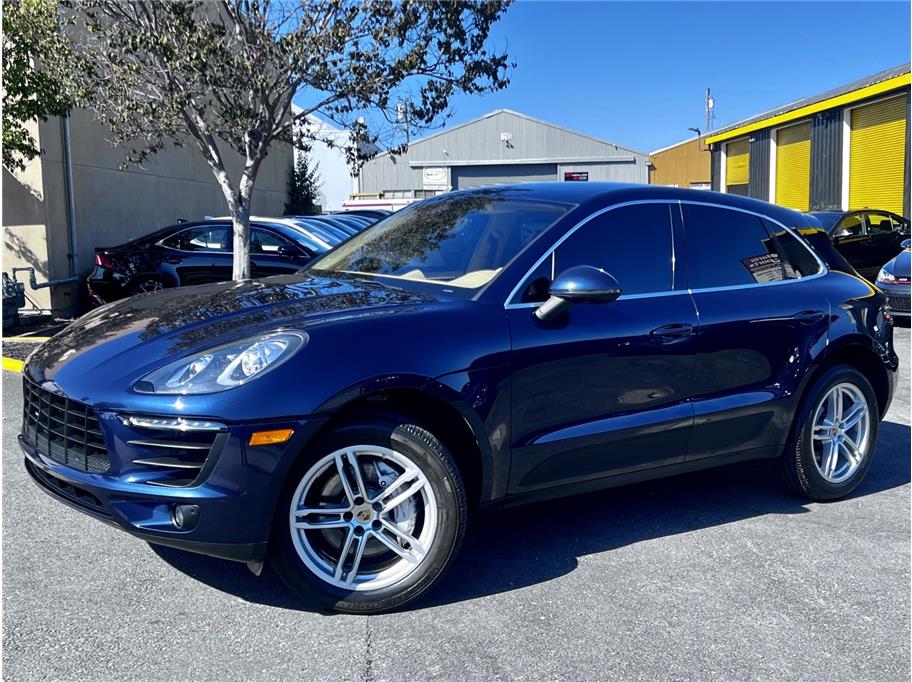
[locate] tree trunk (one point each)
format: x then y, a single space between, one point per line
240 226
240 221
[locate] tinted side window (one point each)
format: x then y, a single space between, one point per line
798 261
850 226
879 223
203 238
728 248
633 243
262 241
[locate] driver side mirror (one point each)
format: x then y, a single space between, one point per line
906 243
288 252
579 284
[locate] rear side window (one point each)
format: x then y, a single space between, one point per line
202 238
797 259
879 223
728 248
633 243
262 241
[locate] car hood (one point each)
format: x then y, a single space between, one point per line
901 266
133 336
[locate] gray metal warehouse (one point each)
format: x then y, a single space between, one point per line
503 146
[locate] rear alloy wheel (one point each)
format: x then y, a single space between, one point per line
373 522
841 427
147 285
835 436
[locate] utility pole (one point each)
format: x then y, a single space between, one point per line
710 114
402 115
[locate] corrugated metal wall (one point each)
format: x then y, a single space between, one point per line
906 212
716 172
476 176
826 161
759 182
389 173
634 170
532 142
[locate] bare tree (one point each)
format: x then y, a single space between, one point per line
224 73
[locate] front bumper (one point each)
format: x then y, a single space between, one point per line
235 494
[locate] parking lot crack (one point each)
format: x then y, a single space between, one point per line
369 674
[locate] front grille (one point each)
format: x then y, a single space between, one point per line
899 303
71 493
62 429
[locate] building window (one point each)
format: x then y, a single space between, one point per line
737 167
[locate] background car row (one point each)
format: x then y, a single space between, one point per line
200 252
876 243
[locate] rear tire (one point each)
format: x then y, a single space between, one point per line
353 554
834 436
145 285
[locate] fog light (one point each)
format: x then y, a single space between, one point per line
184 516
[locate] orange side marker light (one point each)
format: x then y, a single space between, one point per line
270 437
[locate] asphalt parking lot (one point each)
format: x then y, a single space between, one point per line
712 575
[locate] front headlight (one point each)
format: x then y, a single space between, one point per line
885 277
223 367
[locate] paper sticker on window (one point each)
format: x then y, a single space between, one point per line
765 268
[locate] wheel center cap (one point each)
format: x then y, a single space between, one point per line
363 514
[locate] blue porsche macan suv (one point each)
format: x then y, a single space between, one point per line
486 347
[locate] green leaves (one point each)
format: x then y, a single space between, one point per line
303 188
224 72
36 79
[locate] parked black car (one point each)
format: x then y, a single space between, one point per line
866 238
197 253
895 280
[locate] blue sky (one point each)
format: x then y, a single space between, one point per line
636 73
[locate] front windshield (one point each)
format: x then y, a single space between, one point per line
461 240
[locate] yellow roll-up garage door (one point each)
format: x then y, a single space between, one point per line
793 166
877 155
737 166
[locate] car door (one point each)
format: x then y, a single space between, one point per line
272 254
883 238
199 254
604 389
850 240
763 318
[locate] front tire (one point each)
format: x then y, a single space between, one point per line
370 519
834 436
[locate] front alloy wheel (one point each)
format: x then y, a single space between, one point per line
373 520
363 517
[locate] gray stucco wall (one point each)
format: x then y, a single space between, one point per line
114 205
479 143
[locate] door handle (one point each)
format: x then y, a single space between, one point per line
174 260
670 331
808 316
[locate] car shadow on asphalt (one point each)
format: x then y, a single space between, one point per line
523 546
